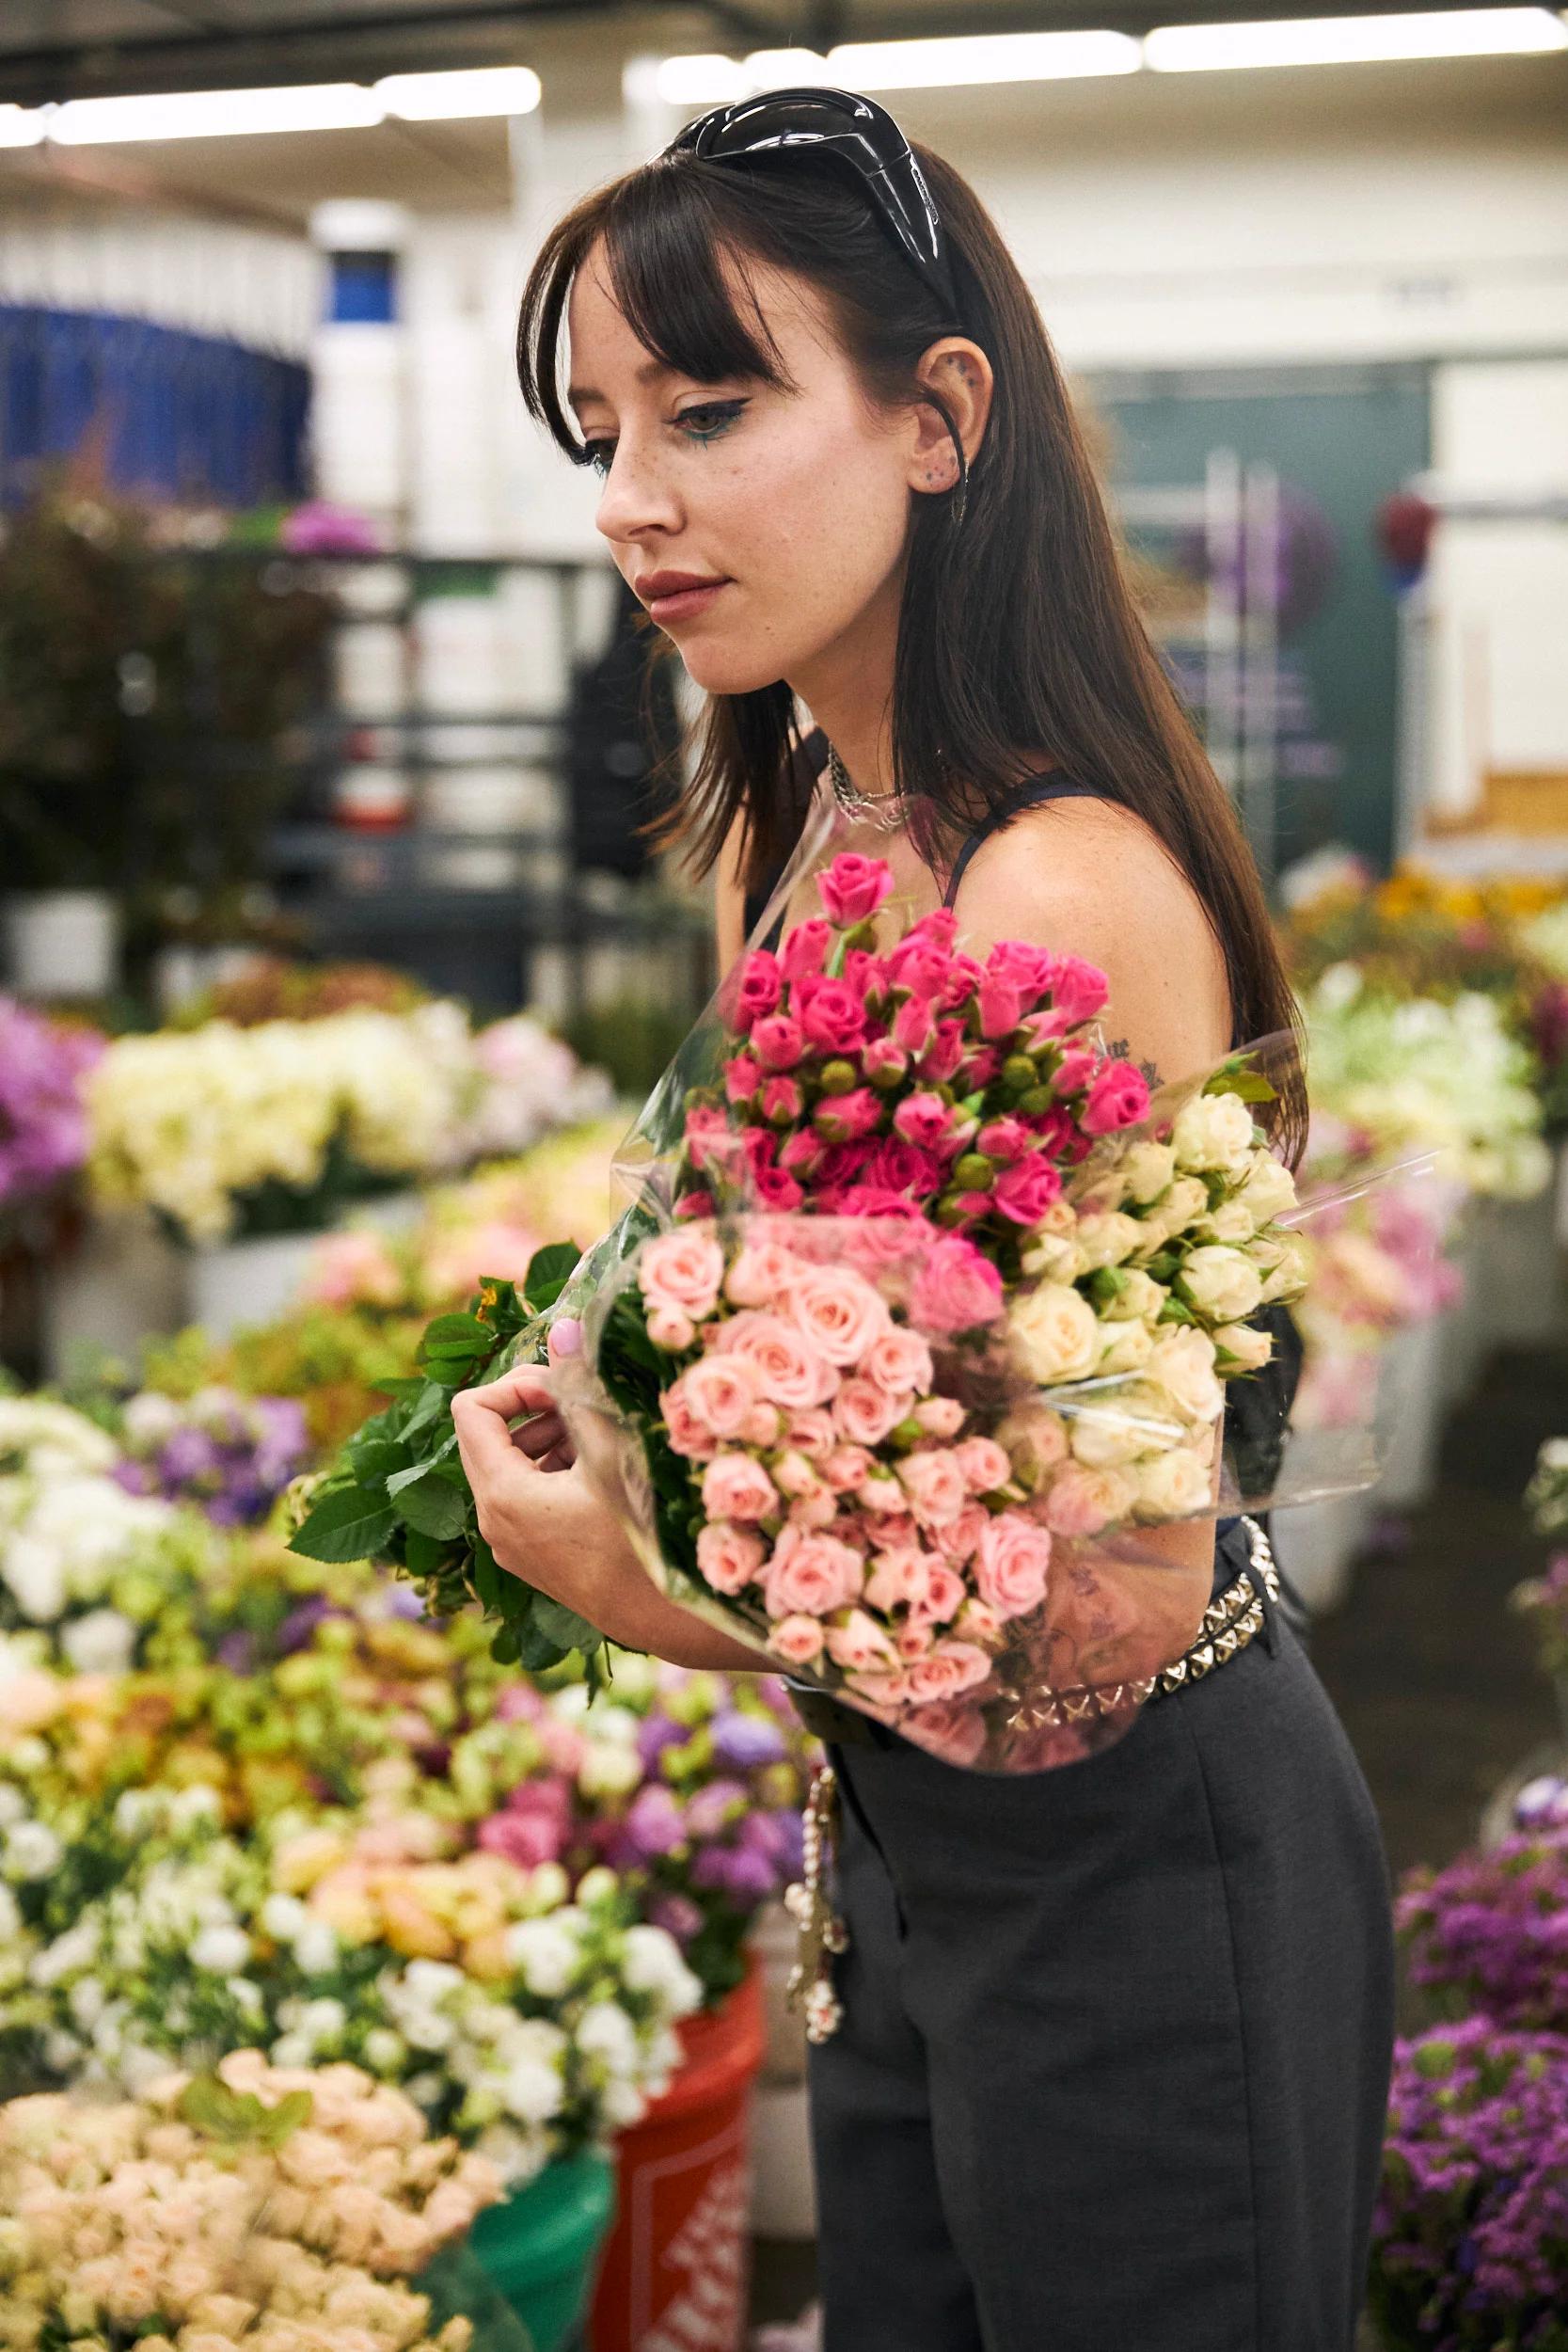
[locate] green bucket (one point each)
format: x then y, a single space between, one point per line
541 2247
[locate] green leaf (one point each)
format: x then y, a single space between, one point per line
346 1524
281 2122
432 1505
375 1461
506 1649
423 1555
1250 1085
563 1626
489 1577
549 1272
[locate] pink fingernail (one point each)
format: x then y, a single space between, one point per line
567 1336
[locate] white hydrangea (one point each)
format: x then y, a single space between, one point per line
545 1954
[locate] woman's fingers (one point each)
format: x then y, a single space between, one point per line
483 1438
526 1389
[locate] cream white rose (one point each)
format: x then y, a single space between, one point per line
1213 1131
1232 1222
1174 1484
1106 1436
1270 1188
1291 1268
1146 1170
1249 1347
1056 1332
1054 1258
1124 1346
1107 1236
1180 1205
1220 1282
1182 1364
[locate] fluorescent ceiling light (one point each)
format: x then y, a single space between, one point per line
981 57
1353 39
786 69
497 89
204 113
705 80
20 126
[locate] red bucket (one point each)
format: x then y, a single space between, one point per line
677 2267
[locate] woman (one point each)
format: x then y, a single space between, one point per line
1114 2056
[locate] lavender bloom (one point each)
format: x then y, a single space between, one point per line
43 1126
1493 1929
655 1733
233 1455
742 1742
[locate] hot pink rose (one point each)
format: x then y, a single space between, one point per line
854 888
742 1077
669 1328
1118 1098
778 1042
952 1667
840 1314
899 1576
984 1463
1003 1140
845 1118
682 1270
806 950
942 1598
943 1054
813 1573
1077 989
1001 1009
525 1838
761 986
1017 964
900 1166
736 1488
831 1015
1025 1191
1075 1069
940 1416
1011 1563
956 1289
797 1640
721 1391
729 1558
859 1644
706 1128
924 1120
965 978
775 1188
913 1024
781 1100
689 1434
845 1467
791 1370
866 972
867 1412
934 1485
881 1058
803 1153
899 1360
977 1069
695 1204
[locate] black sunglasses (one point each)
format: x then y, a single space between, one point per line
845 128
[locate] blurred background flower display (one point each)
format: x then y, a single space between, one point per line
337 957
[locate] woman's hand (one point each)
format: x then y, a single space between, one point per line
545 1523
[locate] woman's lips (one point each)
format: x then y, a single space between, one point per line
683 602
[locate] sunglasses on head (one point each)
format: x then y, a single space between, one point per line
846 129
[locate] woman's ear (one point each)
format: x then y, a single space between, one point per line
956 372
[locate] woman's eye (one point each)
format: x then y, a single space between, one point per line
706 420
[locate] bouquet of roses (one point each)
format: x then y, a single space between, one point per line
939 1321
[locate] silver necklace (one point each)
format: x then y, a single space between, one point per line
838 776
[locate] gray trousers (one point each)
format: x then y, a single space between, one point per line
1114 2061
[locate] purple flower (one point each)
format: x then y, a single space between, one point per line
234 1460
655 1733
742 1742
712 1808
298 1629
237 1651
678 1916
1493 1929
43 1127
653 1824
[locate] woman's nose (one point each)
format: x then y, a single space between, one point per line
635 499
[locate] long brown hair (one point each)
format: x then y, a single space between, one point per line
1016 633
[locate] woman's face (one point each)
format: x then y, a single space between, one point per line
799 502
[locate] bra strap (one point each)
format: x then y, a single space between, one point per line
1030 793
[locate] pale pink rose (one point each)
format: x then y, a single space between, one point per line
792 1372
882 1692
865 1413
913 1640
722 1392
859 1644
668 1327
934 1484
899 1360
31 1699
813 1511
952 1667
354 1267
977 1621
899 1576
882 1492
984 1464
1080 1501
956 1289
682 1270
940 1416
736 1488
961 1535
895 1236
763 1425
846 1469
688 1433
762 1273
729 1558
839 1313
811 1432
1036 1437
942 1598
1010 1564
951 1732
798 1640
812 1573
794 1475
